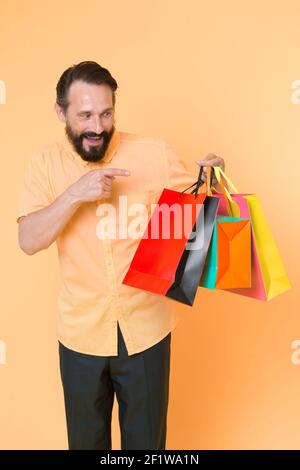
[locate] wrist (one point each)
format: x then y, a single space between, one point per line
72 198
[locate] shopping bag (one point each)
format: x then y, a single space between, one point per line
160 252
269 277
229 262
192 262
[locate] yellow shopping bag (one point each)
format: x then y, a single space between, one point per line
268 272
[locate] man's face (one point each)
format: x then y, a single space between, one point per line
90 119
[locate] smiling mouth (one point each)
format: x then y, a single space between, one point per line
94 140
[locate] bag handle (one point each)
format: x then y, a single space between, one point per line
208 183
197 184
221 174
231 206
220 177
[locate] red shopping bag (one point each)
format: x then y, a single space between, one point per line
159 252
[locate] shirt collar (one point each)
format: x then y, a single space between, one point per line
110 151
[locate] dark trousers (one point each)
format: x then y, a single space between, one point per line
141 384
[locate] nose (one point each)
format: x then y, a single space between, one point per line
96 125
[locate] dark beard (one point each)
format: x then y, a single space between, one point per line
94 154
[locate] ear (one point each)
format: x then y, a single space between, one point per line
60 113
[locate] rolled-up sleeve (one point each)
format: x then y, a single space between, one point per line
35 191
178 177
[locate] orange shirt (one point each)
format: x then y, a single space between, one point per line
92 298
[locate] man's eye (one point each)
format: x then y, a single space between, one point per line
107 114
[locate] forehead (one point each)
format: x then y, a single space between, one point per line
90 95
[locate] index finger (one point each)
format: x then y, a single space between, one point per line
211 162
116 172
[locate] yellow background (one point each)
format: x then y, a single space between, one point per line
206 77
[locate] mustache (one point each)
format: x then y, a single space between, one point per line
93 134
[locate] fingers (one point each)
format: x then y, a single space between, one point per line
106 186
103 179
211 160
105 182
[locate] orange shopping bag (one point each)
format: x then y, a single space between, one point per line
228 264
234 253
